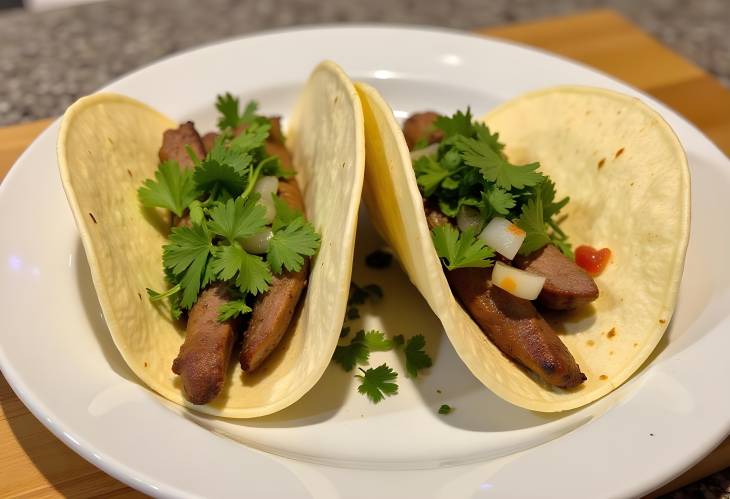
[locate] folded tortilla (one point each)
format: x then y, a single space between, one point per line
627 176
108 146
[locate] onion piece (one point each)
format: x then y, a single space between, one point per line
426 151
266 186
504 236
469 218
517 282
258 244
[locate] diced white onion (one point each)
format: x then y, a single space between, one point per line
517 282
266 186
469 218
426 151
258 243
504 236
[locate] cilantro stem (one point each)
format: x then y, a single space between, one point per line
557 229
155 296
192 155
253 176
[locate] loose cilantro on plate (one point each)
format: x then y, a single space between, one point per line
470 169
377 383
416 357
445 409
219 210
376 341
357 352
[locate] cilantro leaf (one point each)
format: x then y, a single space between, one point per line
460 249
186 256
398 341
458 124
359 295
532 221
483 134
377 383
238 159
251 273
375 292
284 213
563 245
173 189
352 314
238 219
232 309
251 138
289 245
545 191
429 174
357 352
227 106
416 358
499 200
495 168
214 176
196 212
377 342
445 409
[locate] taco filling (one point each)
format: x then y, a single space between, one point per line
237 256
496 228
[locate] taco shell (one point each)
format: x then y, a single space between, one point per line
108 145
627 177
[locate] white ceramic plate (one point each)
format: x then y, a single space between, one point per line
56 352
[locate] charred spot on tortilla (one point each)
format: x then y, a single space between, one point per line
603 377
601 162
93 218
611 333
619 153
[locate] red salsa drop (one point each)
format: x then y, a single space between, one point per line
592 260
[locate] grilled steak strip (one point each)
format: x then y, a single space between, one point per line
174 142
204 355
515 327
203 358
274 309
567 286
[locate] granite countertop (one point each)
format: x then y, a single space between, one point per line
48 59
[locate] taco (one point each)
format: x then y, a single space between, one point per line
482 214
237 243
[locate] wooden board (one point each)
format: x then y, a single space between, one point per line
35 463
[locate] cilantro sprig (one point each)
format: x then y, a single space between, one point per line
470 169
460 249
378 383
220 210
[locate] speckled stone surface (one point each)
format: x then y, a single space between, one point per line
49 59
